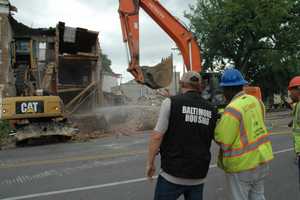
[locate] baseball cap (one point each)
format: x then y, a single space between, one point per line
191 77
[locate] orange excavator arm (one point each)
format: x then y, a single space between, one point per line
184 39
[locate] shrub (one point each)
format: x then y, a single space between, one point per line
4 129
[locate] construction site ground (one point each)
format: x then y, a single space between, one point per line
113 168
125 120
105 122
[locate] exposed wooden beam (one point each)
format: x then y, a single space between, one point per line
80 95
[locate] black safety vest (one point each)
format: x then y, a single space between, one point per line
185 149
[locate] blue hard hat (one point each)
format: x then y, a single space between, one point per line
232 77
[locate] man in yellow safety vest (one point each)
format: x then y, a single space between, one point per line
294 88
245 148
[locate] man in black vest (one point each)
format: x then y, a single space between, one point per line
182 136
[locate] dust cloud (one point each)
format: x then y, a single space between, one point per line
125 119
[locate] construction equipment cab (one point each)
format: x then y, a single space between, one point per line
36 112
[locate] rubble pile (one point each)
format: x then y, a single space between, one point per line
150 100
117 120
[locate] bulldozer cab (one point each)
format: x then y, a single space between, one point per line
211 89
214 93
23 65
31 70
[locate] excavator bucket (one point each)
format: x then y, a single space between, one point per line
159 76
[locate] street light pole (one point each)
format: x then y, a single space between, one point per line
175 79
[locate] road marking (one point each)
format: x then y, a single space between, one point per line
76 189
86 158
103 185
283 151
65 171
281 133
71 159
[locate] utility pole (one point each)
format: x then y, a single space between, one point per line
1 99
175 79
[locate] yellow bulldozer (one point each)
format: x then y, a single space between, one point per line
36 118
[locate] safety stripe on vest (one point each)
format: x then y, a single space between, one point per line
248 148
238 116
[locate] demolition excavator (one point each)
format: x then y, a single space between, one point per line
36 114
160 76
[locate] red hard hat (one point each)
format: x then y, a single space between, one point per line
295 82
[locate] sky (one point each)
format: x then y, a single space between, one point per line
102 16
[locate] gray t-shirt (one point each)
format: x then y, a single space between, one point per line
161 127
164 115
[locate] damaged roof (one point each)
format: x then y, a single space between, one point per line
73 40
21 30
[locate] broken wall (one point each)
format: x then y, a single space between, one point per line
6 72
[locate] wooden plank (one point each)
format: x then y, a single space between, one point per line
70 90
79 57
81 94
87 54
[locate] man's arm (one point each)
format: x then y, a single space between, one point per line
157 135
153 149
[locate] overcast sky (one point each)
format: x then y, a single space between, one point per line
102 16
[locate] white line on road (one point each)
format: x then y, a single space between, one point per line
102 185
76 189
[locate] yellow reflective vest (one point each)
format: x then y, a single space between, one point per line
242 135
296 127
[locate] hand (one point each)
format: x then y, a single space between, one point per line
150 171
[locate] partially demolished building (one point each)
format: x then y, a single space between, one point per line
77 55
64 61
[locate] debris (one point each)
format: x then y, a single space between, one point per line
159 76
116 120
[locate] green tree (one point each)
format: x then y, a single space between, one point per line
261 38
106 62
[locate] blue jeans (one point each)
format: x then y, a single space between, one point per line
169 191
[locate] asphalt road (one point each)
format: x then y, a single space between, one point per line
113 169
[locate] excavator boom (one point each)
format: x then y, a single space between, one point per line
160 76
184 39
